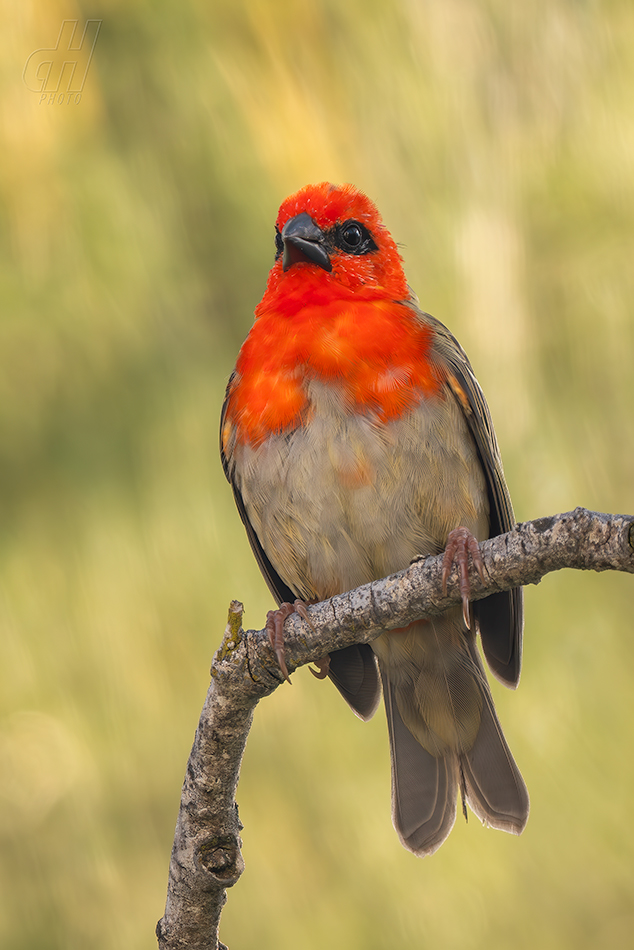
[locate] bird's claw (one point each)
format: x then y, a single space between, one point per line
460 544
275 620
323 668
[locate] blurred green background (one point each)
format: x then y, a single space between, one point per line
497 139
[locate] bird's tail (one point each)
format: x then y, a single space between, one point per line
425 785
493 784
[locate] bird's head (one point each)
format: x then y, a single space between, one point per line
330 238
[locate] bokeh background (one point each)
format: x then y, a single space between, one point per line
498 140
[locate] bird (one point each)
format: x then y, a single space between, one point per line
356 438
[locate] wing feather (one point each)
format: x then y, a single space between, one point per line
500 617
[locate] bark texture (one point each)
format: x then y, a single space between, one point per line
206 856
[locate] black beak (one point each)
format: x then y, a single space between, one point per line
304 241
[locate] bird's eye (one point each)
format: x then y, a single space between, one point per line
353 237
279 243
352 234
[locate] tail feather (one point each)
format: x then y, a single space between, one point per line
495 789
423 786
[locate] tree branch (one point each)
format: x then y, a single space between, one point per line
206 857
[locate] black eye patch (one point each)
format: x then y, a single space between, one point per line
352 237
279 243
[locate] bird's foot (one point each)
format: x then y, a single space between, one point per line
274 627
323 668
460 544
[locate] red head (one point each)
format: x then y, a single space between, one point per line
335 309
330 240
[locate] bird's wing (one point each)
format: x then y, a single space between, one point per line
500 617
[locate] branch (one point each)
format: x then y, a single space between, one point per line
206 857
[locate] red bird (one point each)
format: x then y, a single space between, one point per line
355 437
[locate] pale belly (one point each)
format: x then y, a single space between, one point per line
345 500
